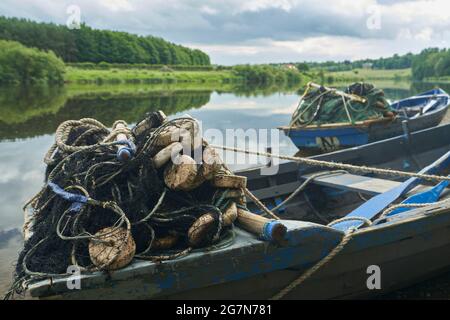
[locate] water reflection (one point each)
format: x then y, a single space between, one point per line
34 111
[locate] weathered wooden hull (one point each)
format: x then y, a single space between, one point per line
405 251
408 248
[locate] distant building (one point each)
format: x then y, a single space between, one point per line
290 66
367 65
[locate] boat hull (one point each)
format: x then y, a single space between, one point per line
334 137
405 252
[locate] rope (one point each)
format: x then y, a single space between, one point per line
260 204
347 237
282 293
410 205
303 186
339 165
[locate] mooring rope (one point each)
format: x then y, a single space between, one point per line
339 165
294 284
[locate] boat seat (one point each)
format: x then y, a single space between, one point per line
426 108
342 181
357 183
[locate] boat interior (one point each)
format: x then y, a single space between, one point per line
335 193
427 102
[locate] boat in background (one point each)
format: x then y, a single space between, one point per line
415 113
408 247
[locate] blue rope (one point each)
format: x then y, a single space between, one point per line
125 153
78 200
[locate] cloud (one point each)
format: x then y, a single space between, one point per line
234 27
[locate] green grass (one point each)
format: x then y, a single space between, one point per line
130 76
368 75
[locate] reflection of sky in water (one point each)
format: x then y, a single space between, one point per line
22 167
21 175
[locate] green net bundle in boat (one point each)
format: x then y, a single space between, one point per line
320 105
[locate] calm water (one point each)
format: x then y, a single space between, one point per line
29 117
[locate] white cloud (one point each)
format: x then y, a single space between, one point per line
118 5
208 10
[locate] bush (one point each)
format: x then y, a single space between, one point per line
19 64
266 74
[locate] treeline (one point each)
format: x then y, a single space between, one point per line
267 74
19 64
142 66
432 62
394 62
91 45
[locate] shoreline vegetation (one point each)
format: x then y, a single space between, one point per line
22 65
361 74
149 74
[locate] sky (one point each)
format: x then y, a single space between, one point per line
262 31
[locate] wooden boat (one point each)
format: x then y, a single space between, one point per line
407 247
415 113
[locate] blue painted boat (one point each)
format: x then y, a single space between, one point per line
407 247
414 113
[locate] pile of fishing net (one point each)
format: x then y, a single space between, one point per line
360 102
114 195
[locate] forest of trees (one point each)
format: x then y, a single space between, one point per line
91 45
19 64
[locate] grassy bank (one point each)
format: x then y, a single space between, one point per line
368 75
124 76
106 73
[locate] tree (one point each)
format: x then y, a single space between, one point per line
20 64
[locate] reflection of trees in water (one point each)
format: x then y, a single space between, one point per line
30 119
18 104
415 88
33 111
268 90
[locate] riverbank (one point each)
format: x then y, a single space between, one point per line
368 75
133 76
129 74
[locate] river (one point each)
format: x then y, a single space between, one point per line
29 117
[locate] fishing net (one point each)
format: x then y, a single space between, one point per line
103 189
323 105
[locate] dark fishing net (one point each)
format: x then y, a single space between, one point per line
321 106
112 193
